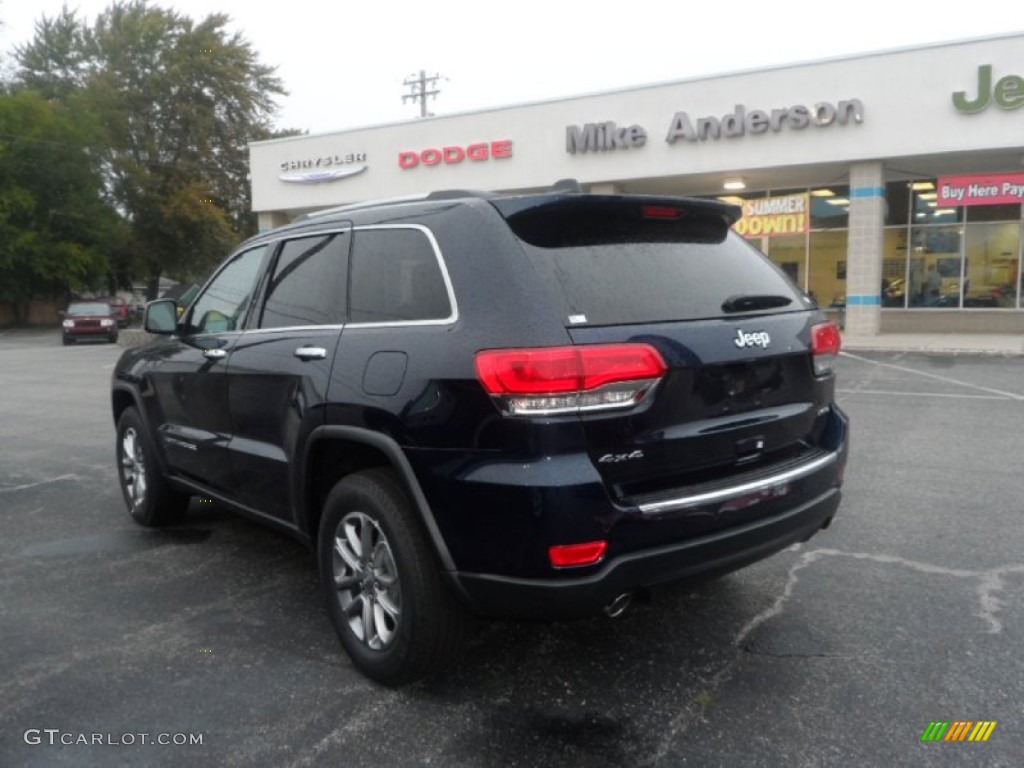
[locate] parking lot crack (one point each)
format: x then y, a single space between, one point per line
989 583
362 721
59 478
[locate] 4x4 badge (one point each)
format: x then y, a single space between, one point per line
615 458
756 339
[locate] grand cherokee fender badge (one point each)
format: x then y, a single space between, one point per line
756 339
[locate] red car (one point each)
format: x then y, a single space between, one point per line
90 320
121 309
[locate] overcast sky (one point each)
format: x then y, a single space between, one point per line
343 63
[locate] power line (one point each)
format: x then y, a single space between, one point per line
418 85
95 149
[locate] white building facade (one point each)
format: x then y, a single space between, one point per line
889 186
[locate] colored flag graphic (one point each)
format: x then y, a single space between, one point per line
959 730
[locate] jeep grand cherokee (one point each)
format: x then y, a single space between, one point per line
492 406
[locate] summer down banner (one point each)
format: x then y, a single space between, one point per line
768 216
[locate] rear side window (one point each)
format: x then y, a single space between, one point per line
396 277
308 285
620 261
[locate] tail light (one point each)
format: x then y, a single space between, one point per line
825 342
555 380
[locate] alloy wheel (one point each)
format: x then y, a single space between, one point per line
366 580
133 468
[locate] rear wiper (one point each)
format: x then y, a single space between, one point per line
745 302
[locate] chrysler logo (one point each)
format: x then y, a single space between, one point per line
756 339
319 177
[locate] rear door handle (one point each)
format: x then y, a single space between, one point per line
215 354
311 353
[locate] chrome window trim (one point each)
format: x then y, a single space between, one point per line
274 242
292 328
683 502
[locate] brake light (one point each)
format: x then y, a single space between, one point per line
660 212
568 555
825 343
552 380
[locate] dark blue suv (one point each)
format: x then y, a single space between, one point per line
475 405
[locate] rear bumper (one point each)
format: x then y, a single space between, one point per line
709 555
499 517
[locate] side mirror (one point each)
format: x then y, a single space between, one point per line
161 316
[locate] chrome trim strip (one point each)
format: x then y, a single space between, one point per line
273 239
682 502
292 329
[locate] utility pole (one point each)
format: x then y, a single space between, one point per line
418 90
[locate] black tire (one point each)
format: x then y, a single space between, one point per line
67 341
415 625
112 338
151 501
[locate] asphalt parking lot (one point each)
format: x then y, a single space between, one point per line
909 609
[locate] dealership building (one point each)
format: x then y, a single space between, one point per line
889 185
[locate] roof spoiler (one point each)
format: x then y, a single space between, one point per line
570 186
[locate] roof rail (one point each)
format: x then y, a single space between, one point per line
363 204
563 185
454 194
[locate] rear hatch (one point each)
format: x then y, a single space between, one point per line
740 397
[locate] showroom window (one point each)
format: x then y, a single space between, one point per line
939 256
933 255
827 272
810 250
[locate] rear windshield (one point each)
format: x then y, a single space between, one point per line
647 260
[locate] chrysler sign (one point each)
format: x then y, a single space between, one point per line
323 168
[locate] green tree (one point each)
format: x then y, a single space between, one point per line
179 101
55 63
55 226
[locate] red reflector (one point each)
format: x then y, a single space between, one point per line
825 339
547 370
660 212
564 555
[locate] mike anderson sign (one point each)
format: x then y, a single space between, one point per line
608 136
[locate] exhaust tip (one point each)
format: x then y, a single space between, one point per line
618 606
